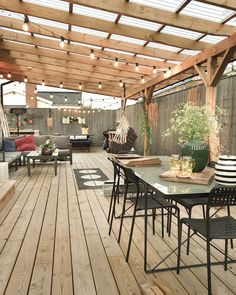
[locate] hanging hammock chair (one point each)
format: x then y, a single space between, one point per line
124 138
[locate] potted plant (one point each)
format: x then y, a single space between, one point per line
84 128
48 147
193 126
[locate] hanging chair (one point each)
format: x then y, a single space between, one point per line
124 138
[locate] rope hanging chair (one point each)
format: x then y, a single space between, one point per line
124 138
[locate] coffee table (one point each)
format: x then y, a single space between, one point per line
34 155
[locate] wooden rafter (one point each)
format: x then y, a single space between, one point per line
101 25
158 16
49 31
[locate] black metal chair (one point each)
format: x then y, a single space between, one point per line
189 203
148 200
213 227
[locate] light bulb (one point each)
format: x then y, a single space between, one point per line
136 67
61 85
43 83
1 76
154 70
62 43
121 83
100 85
65 98
9 75
116 64
92 55
35 90
25 26
80 86
25 79
51 96
142 80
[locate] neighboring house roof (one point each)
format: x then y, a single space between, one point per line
58 99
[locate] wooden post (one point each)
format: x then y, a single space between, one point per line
210 79
148 97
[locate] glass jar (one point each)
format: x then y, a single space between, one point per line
175 164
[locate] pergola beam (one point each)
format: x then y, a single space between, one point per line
100 25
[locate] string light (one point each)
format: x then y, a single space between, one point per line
1 76
154 70
136 67
92 55
121 83
25 26
142 79
9 75
43 83
25 79
35 90
65 99
80 86
100 85
62 43
51 96
32 97
116 64
61 85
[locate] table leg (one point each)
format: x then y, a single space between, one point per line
33 163
28 166
55 166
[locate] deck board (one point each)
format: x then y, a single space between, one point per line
54 240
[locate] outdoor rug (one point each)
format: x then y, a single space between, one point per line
89 178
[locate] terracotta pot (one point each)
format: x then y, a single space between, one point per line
47 152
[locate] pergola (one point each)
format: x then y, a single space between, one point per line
108 44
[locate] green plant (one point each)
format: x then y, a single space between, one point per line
145 128
193 122
49 144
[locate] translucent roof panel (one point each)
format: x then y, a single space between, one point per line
16 31
232 22
96 13
206 11
139 23
46 37
164 47
181 32
89 31
118 51
212 39
190 52
127 39
56 4
86 45
12 14
170 5
45 22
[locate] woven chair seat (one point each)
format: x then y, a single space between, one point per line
132 188
191 202
220 228
153 202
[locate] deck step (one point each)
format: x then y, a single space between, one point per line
6 189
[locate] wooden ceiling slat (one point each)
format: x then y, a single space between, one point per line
158 15
101 25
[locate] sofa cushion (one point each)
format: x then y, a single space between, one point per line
25 144
62 142
12 156
9 145
40 139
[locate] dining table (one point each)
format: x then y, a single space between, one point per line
150 176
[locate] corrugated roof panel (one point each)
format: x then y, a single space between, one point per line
212 39
181 32
12 14
96 13
16 31
170 5
86 45
190 52
150 57
127 39
164 47
57 4
45 22
47 37
206 11
139 23
232 22
89 31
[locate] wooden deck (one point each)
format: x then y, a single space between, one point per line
54 240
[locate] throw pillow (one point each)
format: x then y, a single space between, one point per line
9 145
26 143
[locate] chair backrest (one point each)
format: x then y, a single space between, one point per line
130 175
222 196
